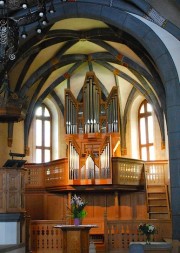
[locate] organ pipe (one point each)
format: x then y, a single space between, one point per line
71 115
112 114
105 162
73 162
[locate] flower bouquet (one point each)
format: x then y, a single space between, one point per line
77 209
147 230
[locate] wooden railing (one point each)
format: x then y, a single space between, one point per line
157 172
56 173
35 176
119 233
127 171
44 237
52 174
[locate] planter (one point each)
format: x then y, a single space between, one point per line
77 221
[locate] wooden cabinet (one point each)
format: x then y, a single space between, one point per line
12 190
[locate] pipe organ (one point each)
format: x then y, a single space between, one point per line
89 124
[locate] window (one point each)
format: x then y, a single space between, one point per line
43 134
146 132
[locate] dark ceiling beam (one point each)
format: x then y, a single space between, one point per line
128 63
37 102
53 61
152 15
63 61
24 72
56 82
138 7
146 91
129 101
142 53
58 101
30 48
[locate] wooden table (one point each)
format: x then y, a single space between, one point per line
75 238
154 247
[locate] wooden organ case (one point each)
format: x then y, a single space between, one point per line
92 133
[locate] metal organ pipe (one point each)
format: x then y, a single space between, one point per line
90 167
67 115
73 162
93 107
115 114
98 110
105 162
86 107
112 115
90 104
71 115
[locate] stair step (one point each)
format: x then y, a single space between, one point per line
157 205
156 198
157 201
160 212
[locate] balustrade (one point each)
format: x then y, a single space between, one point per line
117 234
45 238
157 172
125 171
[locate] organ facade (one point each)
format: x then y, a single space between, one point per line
90 125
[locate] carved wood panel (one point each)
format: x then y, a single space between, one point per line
11 190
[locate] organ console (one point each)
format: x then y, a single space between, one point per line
90 124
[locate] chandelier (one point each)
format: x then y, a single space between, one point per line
8 39
15 15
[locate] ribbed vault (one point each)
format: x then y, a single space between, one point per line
72 44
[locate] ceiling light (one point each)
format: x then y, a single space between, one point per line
24 34
41 14
45 21
51 8
1 3
24 5
39 29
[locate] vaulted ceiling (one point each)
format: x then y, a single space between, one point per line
58 58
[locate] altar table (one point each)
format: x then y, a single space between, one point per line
154 247
75 238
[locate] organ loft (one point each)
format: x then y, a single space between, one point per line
92 132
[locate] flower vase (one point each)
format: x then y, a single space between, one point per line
77 221
148 239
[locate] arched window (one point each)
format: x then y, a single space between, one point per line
146 132
43 134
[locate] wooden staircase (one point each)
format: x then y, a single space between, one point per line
158 202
